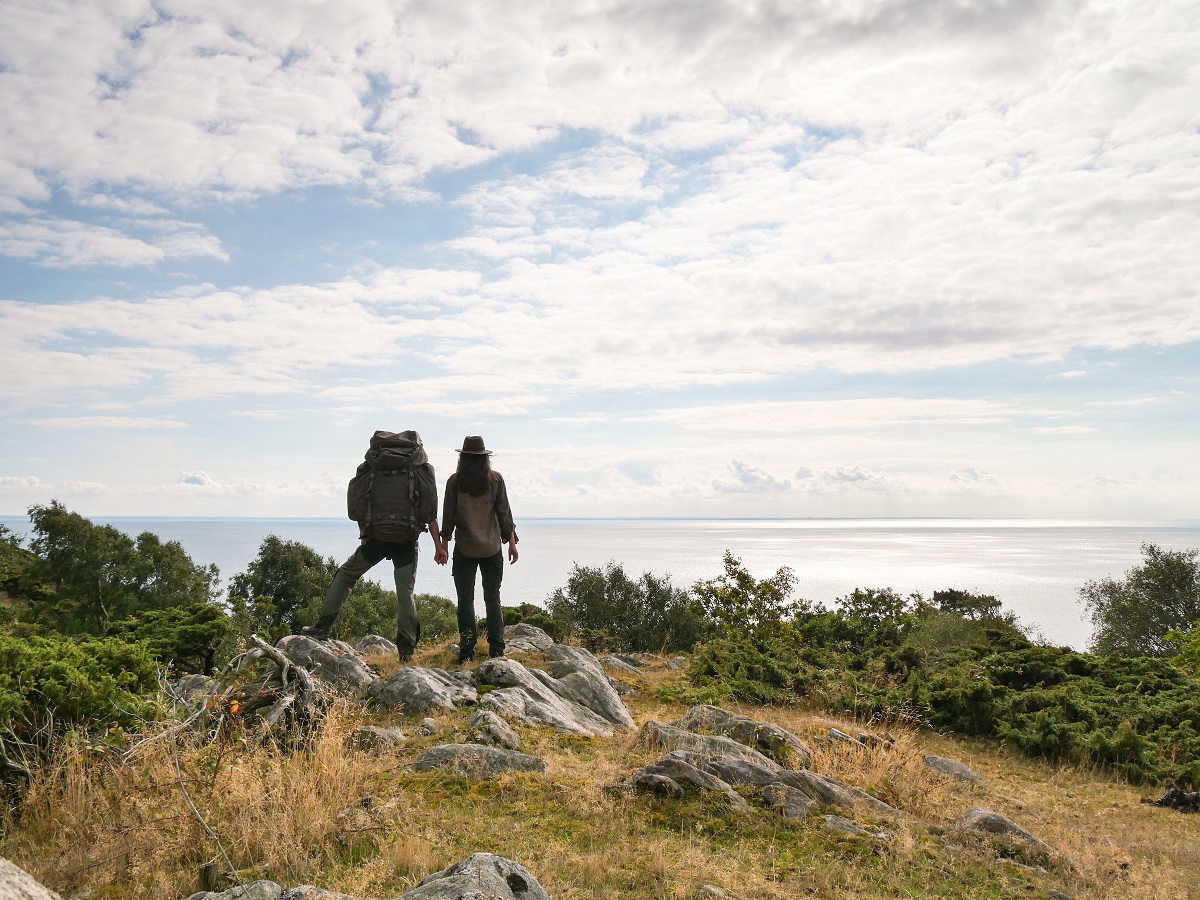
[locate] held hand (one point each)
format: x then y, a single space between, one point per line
440 555
512 553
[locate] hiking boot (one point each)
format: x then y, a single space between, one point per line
320 630
495 654
405 656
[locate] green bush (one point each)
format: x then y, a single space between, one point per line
619 612
282 587
189 639
438 615
79 683
1136 715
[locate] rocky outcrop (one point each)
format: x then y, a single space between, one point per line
477 761
375 643
17 884
522 638
373 738
576 699
657 736
979 819
331 663
415 690
664 777
951 767
188 688
483 875
792 803
488 728
771 740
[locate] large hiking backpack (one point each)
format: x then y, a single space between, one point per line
394 492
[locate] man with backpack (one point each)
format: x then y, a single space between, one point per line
393 498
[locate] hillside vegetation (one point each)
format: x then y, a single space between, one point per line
103 796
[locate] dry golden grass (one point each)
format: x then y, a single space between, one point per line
366 824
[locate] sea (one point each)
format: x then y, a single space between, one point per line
1034 567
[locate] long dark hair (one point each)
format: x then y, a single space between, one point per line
474 473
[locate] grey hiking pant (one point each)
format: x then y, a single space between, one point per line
408 626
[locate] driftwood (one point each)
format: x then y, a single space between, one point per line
278 697
11 765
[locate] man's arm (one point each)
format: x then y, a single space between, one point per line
439 549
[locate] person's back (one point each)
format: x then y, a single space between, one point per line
476 514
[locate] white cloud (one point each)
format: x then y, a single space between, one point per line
64 244
1064 429
746 477
14 483
137 423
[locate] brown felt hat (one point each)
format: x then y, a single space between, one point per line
474 444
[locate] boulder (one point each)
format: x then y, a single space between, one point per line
771 740
372 737
613 661
255 890
331 663
17 884
375 643
951 767
189 688
831 792
579 677
657 736
734 771
844 825
677 770
623 689
579 702
522 638
477 761
979 819
414 690
483 875
793 804
488 728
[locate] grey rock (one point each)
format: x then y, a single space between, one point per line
711 892
415 690
979 819
375 643
477 761
488 728
678 770
613 661
629 660
951 767
580 678
330 662
430 726
17 884
308 892
580 701
793 804
838 735
483 876
831 792
522 638
623 689
255 890
771 740
372 737
188 688
838 823
657 736
734 771
659 785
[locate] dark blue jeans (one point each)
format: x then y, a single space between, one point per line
492 569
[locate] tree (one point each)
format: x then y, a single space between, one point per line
285 577
735 601
1134 616
84 576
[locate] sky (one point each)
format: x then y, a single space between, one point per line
703 258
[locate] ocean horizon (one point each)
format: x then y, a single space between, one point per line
1035 567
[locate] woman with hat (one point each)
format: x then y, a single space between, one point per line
476 514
